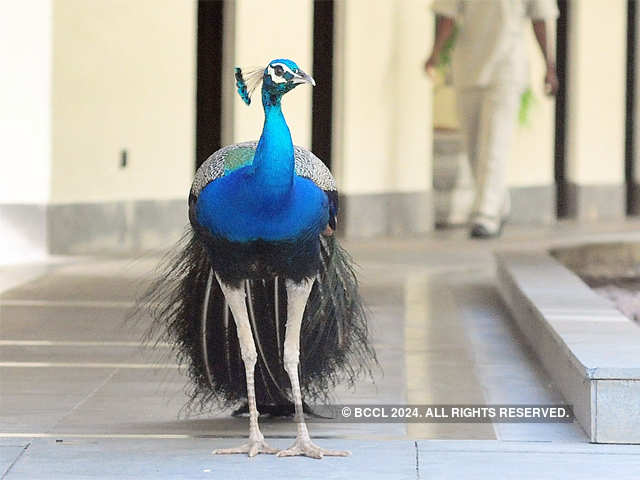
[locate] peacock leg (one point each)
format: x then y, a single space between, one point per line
297 295
236 300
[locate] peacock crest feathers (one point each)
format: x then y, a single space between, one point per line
246 83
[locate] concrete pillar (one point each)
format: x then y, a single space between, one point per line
596 108
263 31
383 133
25 127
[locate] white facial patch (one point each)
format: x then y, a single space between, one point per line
279 79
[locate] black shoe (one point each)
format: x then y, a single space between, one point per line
480 231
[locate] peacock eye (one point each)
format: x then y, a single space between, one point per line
278 70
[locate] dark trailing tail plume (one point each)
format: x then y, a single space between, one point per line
189 311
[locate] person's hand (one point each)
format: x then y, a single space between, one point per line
430 65
551 81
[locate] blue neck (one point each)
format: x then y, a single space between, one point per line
274 162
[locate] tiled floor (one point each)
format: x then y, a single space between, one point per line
80 398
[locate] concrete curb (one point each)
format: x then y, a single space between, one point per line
590 350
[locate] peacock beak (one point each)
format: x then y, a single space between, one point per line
302 77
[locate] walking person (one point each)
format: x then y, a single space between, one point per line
490 73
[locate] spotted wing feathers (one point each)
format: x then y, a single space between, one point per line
232 157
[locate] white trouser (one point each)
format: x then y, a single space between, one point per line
488 116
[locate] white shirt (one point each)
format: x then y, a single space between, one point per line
490 46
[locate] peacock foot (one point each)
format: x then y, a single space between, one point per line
252 448
305 447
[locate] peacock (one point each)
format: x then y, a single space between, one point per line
259 300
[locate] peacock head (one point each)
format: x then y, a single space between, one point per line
282 76
278 78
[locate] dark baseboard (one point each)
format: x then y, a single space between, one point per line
531 205
385 214
534 205
115 227
595 202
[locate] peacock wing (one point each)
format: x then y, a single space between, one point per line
311 167
222 162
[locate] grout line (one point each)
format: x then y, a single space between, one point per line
175 436
597 450
72 343
86 398
87 365
633 454
70 303
96 435
6 472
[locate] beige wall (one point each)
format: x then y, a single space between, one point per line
383 98
266 30
123 77
84 79
25 105
532 157
412 129
596 93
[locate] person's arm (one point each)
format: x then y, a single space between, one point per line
444 29
545 41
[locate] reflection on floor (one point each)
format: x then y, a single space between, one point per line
79 398
69 366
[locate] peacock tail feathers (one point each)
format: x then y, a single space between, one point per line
189 312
